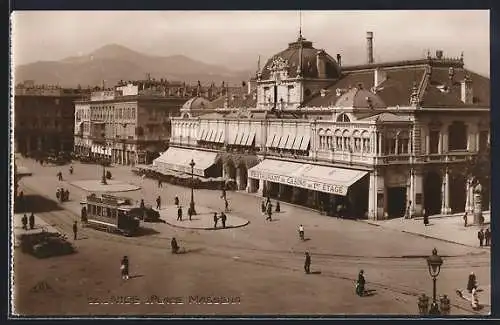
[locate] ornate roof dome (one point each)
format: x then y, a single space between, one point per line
196 103
360 98
309 68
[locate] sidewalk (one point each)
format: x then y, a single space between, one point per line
40 226
446 228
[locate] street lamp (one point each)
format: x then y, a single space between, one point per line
434 263
103 162
191 205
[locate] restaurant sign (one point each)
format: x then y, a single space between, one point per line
299 182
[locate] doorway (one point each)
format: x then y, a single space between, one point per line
432 193
396 201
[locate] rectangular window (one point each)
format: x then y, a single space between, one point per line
433 142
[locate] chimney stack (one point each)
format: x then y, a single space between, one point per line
321 64
339 60
467 94
369 46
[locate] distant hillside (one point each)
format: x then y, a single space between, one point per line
113 63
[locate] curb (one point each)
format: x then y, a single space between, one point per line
441 239
207 228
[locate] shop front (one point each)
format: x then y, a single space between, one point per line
331 190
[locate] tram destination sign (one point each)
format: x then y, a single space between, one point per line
300 182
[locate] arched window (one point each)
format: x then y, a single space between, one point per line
365 137
343 118
328 135
346 139
321 134
357 141
457 136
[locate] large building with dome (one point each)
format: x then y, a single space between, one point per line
378 140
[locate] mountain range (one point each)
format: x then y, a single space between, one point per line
114 62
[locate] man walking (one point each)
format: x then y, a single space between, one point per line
142 205
480 236
160 185
158 202
179 214
32 221
465 219
24 221
223 219
487 236
269 212
307 263
176 201
215 219
75 230
125 268
226 205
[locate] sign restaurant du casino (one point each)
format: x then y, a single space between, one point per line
299 182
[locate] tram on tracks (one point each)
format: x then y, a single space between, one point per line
109 213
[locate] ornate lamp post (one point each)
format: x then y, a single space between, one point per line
191 204
103 163
434 263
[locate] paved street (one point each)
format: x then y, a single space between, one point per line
259 266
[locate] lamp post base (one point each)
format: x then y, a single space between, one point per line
191 207
434 310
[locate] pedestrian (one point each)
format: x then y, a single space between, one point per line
58 194
66 195
223 196
360 284
471 282
142 205
465 219
226 205
480 236
278 208
426 219
125 268
215 219
269 212
487 236
174 246
176 201
268 201
307 263
71 170
158 202
59 175
84 215
32 221
263 206
160 185
223 218
190 213
179 214
24 221
75 230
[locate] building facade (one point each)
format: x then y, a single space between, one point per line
378 140
44 118
127 125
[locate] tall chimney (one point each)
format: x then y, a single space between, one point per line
369 46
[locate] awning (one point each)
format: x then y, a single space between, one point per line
250 139
244 139
298 140
312 177
232 140
276 141
212 136
221 137
178 159
305 142
201 135
270 140
283 141
290 142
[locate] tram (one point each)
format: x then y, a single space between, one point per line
109 213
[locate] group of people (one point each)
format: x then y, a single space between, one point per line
267 208
222 217
62 195
31 220
484 237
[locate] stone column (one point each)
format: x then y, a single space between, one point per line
416 185
445 204
260 190
427 143
440 143
469 196
377 188
238 178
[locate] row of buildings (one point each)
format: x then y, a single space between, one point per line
380 140
128 124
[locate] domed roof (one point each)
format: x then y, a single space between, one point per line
309 67
197 103
360 98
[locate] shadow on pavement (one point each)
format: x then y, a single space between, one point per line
370 293
36 204
136 276
146 232
316 272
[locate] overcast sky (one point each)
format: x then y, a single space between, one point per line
236 38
